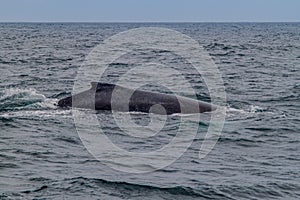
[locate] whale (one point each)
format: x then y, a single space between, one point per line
111 97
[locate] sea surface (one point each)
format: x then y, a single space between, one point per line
256 157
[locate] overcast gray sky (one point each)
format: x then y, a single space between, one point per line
149 10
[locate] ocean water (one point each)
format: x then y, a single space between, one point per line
256 157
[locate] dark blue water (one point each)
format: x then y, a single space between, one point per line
256 157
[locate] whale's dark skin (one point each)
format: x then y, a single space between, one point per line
100 95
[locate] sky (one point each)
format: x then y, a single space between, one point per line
149 10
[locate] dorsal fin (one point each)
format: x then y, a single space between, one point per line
99 86
94 85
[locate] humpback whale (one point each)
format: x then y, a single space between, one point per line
99 97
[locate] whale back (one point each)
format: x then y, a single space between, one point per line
99 98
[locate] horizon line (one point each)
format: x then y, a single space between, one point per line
150 21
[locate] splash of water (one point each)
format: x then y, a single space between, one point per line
16 102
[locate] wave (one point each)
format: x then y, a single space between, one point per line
244 142
20 99
19 103
104 189
121 190
252 109
8 116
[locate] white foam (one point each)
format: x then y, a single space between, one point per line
38 104
37 113
251 111
21 93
